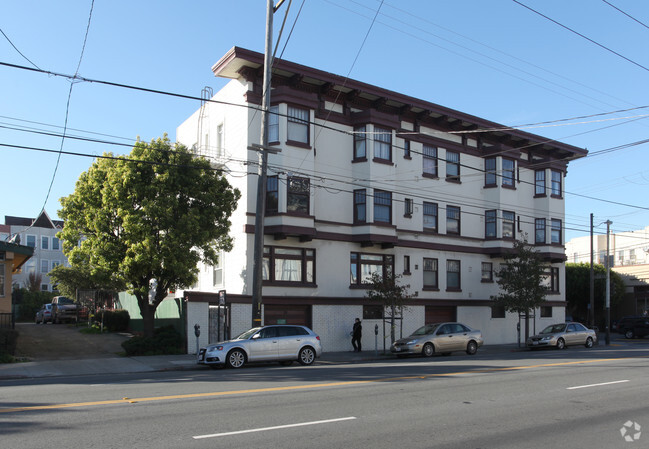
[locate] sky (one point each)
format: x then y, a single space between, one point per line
575 71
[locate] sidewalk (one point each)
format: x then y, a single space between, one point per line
144 364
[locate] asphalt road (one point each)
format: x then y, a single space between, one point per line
575 398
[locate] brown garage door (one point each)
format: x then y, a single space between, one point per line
287 314
438 314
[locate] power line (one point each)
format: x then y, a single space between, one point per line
16 48
626 14
583 36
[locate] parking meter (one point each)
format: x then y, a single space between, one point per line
197 332
376 339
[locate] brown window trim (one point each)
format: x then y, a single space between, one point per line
453 179
382 161
289 284
295 143
456 290
540 195
360 159
430 289
429 175
508 187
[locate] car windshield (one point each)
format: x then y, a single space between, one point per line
64 300
427 329
554 329
247 334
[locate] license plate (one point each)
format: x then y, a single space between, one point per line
535 343
397 349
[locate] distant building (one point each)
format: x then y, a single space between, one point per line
369 180
39 234
628 255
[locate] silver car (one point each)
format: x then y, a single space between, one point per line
441 338
563 334
274 343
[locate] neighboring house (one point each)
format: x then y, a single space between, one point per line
12 258
372 180
39 234
628 255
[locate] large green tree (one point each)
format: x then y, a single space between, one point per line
521 280
82 276
148 219
578 291
392 296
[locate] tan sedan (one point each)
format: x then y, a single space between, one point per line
442 338
563 334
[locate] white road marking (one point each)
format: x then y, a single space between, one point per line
597 385
263 429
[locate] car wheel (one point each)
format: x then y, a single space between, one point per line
286 362
629 334
428 350
306 356
561 344
236 358
472 347
589 342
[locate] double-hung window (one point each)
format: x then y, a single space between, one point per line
45 266
272 195
452 220
555 231
360 143
556 183
452 166
453 275
429 154
298 195
508 172
360 203
487 272
298 125
56 244
430 217
361 267
45 242
382 144
406 149
508 224
273 124
407 207
539 230
490 217
31 241
490 171
430 273
382 206
539 182
289 265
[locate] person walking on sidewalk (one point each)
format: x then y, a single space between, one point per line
357 334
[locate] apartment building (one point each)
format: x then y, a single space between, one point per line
40 234
369 180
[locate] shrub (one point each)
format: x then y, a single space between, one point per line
30 303
166 340
114 320
8 341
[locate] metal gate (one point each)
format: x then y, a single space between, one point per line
219 323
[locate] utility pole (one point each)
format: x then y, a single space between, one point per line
260 211
608 285
591 304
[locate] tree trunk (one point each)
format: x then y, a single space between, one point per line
148 320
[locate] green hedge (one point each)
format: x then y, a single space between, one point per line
166 340
30 303
114 320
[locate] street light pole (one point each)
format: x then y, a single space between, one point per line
260 211
608 285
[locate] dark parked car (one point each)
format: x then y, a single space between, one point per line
634 327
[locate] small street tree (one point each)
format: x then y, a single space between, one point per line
148 219
521 281
391 295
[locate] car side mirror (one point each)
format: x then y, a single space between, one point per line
256 336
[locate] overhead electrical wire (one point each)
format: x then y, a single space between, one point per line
19 52
583 36
626 14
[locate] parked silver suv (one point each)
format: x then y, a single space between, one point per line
274 343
